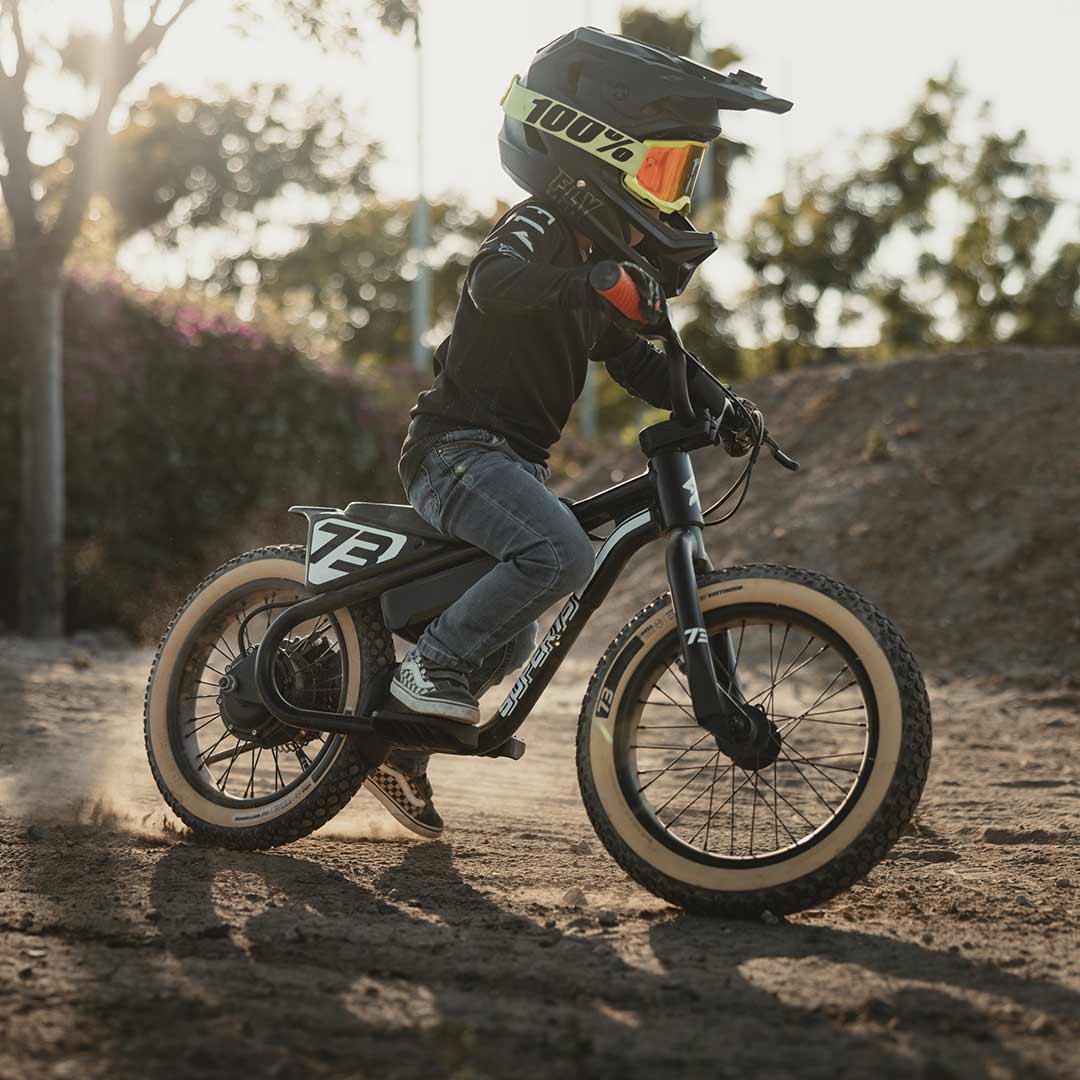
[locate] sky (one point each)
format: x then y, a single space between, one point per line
849 66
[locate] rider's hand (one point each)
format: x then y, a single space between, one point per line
635 294
740 432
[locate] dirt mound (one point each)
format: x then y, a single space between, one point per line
945 488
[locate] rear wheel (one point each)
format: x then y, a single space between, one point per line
848 703
229 770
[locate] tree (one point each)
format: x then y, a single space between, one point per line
969 217
46 205
348 284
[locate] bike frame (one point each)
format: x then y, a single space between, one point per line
663 501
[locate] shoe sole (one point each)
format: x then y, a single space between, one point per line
399 815
446 710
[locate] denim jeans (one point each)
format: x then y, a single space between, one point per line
471 485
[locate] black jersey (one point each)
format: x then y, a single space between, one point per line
525 328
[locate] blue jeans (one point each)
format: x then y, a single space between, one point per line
473 487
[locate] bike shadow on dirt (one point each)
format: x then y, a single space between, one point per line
277 965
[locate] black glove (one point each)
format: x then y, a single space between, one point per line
740 434
739 428
635 294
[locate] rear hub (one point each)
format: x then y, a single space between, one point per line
298 666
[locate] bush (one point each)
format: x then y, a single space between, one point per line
189 434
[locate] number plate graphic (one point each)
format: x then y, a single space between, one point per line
339 547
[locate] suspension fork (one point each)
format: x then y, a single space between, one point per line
710 664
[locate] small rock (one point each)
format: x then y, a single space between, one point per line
769 919
574 898
582 847
549 924
34 954
294 935
153 914
80 659
36 833
607 918
26 972
1063 883
1041 1025
600 950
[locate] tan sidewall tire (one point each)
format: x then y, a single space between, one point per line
846 625
162 677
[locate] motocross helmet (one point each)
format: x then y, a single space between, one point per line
607 129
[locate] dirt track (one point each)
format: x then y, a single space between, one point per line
127 951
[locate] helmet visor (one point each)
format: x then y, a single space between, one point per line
660 172
667 174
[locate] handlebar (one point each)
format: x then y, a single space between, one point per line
614 284
678 358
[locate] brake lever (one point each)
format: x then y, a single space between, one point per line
779 456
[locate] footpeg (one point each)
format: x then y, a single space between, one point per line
513 748
410 731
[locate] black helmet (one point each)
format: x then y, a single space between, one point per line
605 127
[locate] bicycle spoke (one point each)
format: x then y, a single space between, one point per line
806 780
671 798
224 778
694 800
206 723
794 809
819 768
250 789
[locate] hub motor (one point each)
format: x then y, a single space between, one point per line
309 669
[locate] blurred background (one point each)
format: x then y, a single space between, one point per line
232 232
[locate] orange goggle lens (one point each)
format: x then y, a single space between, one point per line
669 172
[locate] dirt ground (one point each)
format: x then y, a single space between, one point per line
945 489
127 951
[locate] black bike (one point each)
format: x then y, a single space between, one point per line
756 738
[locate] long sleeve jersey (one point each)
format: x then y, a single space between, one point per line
526 326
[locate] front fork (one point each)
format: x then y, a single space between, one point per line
710 663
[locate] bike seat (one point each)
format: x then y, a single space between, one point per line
398 517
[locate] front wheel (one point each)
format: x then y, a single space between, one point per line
848 703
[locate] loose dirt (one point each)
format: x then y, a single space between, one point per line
515 946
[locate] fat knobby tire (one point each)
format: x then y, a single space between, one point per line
873 842
344 777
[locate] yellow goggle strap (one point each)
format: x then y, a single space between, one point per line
593 136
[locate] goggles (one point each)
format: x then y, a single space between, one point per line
660 172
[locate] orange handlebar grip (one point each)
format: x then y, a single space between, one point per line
624 296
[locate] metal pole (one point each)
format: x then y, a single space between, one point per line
421 224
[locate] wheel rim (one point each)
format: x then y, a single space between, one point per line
693 799
223 764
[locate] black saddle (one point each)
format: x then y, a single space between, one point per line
398 517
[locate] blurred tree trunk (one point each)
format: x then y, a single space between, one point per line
41 542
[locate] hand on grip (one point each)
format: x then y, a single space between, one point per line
636 295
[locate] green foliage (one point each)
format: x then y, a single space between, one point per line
183 162
349 282
189 434
917 187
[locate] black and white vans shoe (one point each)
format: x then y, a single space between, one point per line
429 690
408 798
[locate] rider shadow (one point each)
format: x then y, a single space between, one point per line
326 976
716 1016
805 988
